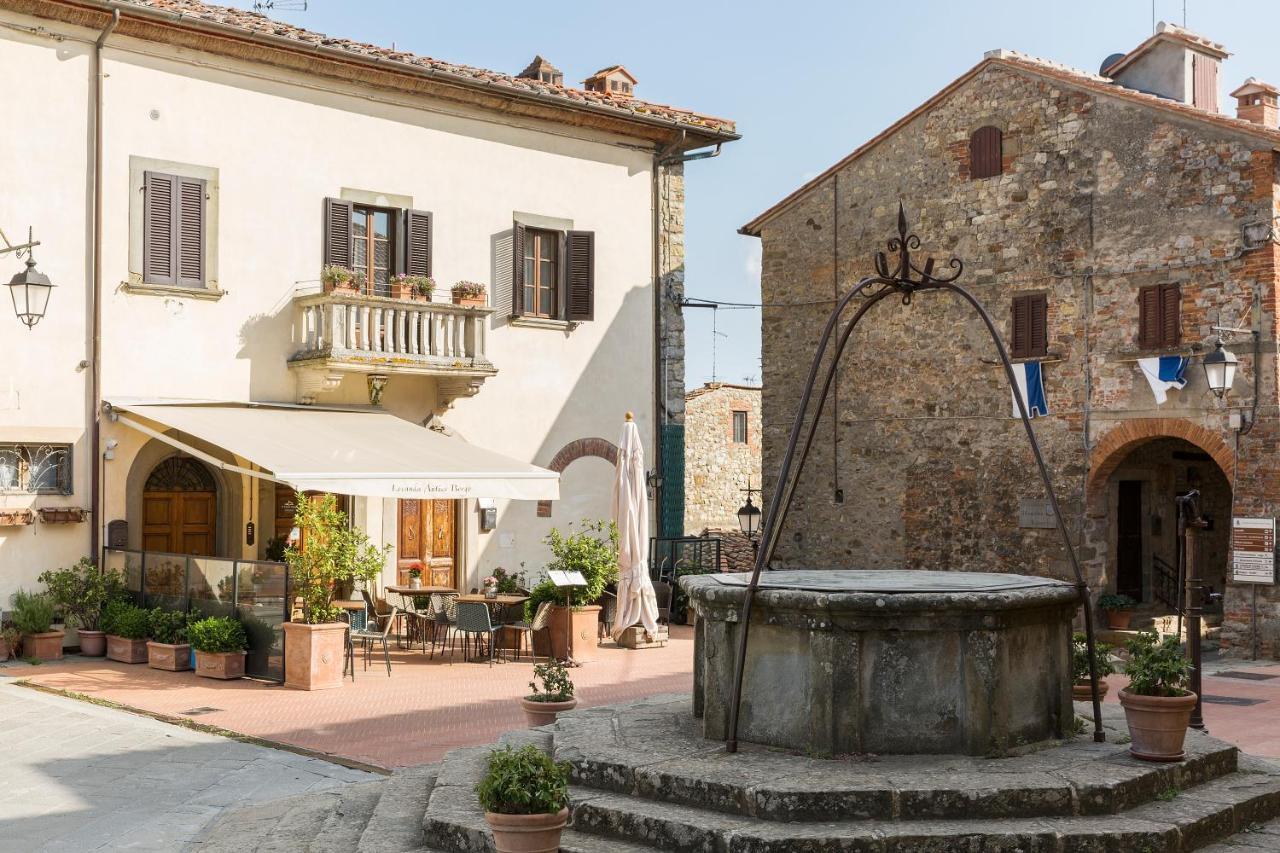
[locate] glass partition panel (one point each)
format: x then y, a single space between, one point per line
262 591
128 564
210 586
164 581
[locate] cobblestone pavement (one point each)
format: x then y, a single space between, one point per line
79 777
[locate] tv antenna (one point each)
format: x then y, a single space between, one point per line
282 5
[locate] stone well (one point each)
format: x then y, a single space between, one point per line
889 662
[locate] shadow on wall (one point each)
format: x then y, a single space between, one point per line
267 341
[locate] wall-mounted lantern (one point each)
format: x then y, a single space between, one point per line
30 288
1220 369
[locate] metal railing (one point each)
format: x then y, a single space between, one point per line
1166 584
672 558
254 591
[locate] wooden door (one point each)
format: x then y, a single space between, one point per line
427 540
179 522
1129 539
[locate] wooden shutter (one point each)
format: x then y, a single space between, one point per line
158 193
986 152
1170 315
1204 90
580 275
416 239
189 232
1030 326
1021 327
517 268
337 232
1149 317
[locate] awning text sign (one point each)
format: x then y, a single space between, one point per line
1253 550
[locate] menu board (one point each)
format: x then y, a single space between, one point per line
1253 550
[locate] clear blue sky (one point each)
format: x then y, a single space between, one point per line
807 82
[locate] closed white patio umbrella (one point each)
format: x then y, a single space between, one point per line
636 602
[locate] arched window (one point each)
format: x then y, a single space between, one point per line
180 474
986 152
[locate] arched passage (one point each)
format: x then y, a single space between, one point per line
573 451
1113 447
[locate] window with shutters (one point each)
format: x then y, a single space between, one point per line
373 246
986 152
541 273
376 242
1030 338
553 277
174 224
1159 316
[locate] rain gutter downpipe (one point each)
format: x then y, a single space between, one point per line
95 300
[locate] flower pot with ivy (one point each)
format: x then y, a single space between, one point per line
82 592
341 280
1157 703
470 294
313 647
168 648
32 615
1080 686
10 637
1119 610
525 797
553 697
220 644
592 550
126 627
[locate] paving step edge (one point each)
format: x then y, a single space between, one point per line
395 825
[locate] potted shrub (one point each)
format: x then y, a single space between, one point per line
10 637
525 797
33 617
313 647
220 643
1080 690
81 592
126 627
339 279
593 550
1157 703
168 648
1119 610
470 294
556 695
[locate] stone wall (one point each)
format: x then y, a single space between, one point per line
918 462
716 468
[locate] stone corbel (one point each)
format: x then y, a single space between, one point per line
314 381
449 389
377 385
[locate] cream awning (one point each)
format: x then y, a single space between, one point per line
373 454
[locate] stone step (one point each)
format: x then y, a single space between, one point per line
1252 839
301 824
245 829
346 823
395 824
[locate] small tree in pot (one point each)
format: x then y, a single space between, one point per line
33 617
1119 610
525 796
556 695
592 550
1080 688
220 644
127 627
82 592
1157 703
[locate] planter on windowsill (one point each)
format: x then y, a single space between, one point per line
223 665
61 514
16 517
125 650
313 655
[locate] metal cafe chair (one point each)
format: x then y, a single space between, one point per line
367 637
528 629
662 592
474 621
443 619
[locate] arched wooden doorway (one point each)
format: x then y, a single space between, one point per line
180 508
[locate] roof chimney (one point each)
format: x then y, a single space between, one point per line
614 80
542 71
1256 102
1174 63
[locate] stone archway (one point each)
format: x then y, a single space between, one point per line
1125 436
572 452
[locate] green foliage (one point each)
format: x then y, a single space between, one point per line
593 550
82 592
334 553
32 612
10 636
167 626
217 634
523 781
1116 602
1080 658
415 573
275 549
1157 667
335 274
122 619
469 290
509 583
556 684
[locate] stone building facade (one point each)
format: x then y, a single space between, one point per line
1092 192
722 453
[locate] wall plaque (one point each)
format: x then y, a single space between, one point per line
1253 550
1036 513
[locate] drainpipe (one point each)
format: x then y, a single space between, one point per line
95 300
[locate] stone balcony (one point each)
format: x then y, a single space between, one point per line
382 337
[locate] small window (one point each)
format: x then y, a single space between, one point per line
1159 316
173 230
739 427
986 152
40 469
1030 326
373 246
541 273
554 274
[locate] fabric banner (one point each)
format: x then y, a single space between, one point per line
1029 385
1164 373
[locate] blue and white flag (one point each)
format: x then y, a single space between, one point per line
1030 386
1163 372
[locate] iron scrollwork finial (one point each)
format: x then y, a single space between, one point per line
906 277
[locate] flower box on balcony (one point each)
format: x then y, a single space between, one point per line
470 294
16 517
416 288
341 280
61 514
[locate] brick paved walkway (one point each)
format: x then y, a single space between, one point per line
426 708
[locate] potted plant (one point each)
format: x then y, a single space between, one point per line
1119 610
592 550
10 637
415 287
220 644
556 695
168 648
33 617
313 647
470 294
1157 704
339 279
490 587
525 797
1080 688
415 577
81 592
126 627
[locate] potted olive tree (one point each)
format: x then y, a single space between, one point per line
220 644
33 617
525 797
81 592
592 550
126 627
334 553
1119 610
1157 704
168 648
556 695
1080 688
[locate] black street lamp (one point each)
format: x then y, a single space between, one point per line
749 516
30 288
1220 369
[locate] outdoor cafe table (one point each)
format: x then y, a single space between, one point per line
421 590
500 603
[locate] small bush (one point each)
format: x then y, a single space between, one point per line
32 612
1080 658
1157 667
167 626
523 781
122 619
217 634
1116 602
556 684
82 592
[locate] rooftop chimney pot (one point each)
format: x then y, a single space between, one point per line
1256 101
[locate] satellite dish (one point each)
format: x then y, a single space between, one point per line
1110 61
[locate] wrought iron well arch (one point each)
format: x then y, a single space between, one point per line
904 280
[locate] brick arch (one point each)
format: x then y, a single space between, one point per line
1121 440
572 452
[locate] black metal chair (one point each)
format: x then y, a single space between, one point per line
474 622
443 619
370 635
662 591
528 629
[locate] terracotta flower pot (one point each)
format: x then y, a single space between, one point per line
527 833
93 644
399 290
224 665
45 646
1080 691
544 713
125 650
313 655
1118 620
583 633
471 301
1157 724
172 657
